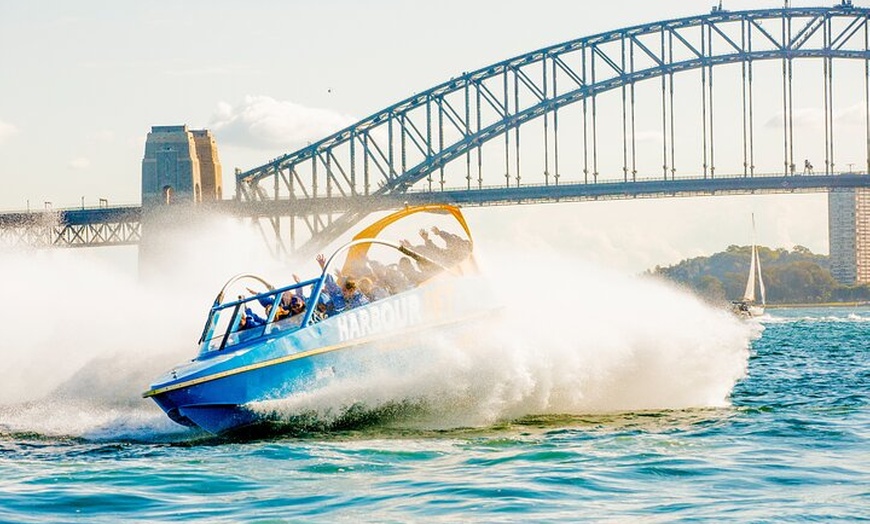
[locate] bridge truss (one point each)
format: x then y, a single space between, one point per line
72 228
542 119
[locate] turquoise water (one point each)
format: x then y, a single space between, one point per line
791 444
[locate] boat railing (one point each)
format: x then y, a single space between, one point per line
224 327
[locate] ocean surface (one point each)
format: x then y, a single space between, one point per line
791 443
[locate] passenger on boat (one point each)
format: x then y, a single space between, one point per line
415 276
394 280
264 301
421 249
371 290
456 246
250 320
281 313
294 313
380 277
336 298
324 305
452 240
360 269
297 306
343 293
349 293
322 309
321 260
267 301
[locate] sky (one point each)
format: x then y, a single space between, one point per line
84 81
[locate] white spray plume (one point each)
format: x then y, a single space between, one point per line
86 339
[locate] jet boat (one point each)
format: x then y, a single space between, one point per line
253 350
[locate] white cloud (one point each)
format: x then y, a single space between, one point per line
6 131
803 118
855 116
265 123
79 163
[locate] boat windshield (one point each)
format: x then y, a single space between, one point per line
247 318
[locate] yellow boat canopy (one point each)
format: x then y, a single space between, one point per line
360 251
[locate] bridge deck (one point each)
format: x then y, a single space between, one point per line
122 225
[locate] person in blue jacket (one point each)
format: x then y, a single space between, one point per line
347 295
248 321
251 320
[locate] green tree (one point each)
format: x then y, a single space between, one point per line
711 289
796 276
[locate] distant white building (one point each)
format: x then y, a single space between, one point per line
849 235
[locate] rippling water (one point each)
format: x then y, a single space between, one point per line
792 443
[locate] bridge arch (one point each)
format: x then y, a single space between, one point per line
406 147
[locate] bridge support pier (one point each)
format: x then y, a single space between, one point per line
180 170
172 241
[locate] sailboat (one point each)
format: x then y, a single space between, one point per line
747 306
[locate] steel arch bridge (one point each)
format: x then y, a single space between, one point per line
443 141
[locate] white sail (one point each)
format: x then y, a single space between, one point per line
760 280
749 293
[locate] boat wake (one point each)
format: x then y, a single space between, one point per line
846 315
572 338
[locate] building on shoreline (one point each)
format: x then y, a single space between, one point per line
849 235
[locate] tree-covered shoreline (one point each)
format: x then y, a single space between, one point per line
798 276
